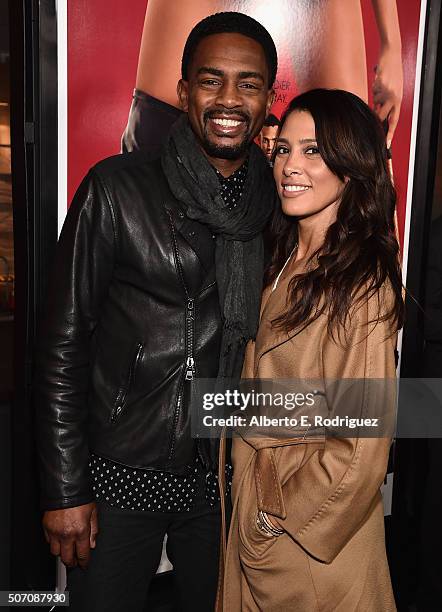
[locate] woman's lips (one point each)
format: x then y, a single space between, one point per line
294 190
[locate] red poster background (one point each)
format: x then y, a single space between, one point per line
103 44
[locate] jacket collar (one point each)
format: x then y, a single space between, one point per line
194 233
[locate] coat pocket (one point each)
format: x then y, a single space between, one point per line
253 539
123 392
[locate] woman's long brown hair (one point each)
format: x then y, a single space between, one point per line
360 251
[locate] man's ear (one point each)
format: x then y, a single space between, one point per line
182 90
270 99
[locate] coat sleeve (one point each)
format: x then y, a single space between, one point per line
80 281
332 494
249 360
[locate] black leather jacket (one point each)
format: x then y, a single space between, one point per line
133 314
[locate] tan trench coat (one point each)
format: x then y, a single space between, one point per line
324 492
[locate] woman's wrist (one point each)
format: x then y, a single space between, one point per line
267 525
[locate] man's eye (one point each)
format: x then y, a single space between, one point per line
248 86
210 82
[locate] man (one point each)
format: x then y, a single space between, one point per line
157 280
268 135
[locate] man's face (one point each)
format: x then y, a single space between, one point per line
227 95
268 139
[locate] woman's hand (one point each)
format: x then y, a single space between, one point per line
273 521
269 525
388 89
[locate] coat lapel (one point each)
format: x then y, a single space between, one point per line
269 337
274 303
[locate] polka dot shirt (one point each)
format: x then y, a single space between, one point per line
149 490
232 186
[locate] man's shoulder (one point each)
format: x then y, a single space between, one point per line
114 166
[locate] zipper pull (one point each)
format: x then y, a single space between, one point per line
190 307
190 368
116 413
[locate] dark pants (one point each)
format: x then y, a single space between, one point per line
128 552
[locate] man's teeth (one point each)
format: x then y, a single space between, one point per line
296 187
227 122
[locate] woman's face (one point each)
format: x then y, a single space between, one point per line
306 186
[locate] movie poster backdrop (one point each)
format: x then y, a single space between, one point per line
347 44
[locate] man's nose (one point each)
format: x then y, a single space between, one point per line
229 96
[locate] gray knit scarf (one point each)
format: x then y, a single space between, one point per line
239 253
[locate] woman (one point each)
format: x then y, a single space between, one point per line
307 529
335 56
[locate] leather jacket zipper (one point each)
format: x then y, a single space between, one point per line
190 311
189 371
122 395
190 319
189 364
190 335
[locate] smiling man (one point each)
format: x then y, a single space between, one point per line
157 281
225 93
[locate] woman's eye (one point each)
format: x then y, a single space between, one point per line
312 151
281 150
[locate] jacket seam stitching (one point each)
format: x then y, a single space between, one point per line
109 205
334 496
313 582
275 482
176 255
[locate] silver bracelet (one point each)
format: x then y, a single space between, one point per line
265 525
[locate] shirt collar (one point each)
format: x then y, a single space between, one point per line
240 174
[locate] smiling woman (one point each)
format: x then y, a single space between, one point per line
331 151
306 186
309 509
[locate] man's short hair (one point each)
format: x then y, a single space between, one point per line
271 121
230 23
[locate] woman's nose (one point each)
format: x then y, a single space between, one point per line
292 166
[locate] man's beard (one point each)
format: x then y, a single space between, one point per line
224 151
